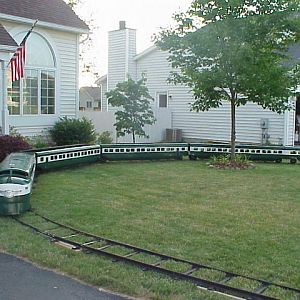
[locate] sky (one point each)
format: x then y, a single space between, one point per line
147 16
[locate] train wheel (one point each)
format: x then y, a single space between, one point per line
293 160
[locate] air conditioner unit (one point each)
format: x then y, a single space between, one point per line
173 135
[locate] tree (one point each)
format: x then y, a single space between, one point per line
236 51
87 59
133 99
72 3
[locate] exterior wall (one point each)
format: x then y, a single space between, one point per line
65 50
83 99
116 57
103 121
104 104
121 51
4 58
213 125
68 74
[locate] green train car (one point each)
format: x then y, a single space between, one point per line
252 152
16 179
69 155
113 152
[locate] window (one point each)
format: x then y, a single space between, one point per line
97 105
48 92
89 104
13 98
35 93
162 100
30 93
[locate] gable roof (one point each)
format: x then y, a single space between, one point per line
146 52
93 92
49 11
6 39
101 79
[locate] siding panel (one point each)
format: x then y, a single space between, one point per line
64 46
213 125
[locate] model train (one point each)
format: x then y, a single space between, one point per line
18 169
17 173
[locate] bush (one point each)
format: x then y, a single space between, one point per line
40 141
9 144
73 131
224 162
104 138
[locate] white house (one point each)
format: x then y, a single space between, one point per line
90 98
254 124
50 88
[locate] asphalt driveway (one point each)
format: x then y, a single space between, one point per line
20 280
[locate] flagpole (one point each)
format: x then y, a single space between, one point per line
28 33
26 36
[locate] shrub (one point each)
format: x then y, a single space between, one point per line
224 162
73 131
9 144
104 138
40 141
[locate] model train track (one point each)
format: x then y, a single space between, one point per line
120 252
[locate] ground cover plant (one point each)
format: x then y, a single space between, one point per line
244 221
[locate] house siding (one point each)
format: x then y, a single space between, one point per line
104 104
121 53
131 53
64 46
116 58
213 125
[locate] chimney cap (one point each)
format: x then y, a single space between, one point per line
122 25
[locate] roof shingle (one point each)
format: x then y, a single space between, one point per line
51 11
5 38
94 92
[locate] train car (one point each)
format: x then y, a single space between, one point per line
252 152
113 152
67 156
16 179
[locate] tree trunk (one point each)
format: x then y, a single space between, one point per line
233 132
133 137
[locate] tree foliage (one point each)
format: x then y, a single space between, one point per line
236 51
9 144
86 57
72 3
133 100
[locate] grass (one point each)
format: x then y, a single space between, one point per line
245 221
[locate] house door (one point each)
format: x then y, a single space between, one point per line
297 136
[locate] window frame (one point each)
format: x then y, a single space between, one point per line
165 93
89 104
39 67
39 92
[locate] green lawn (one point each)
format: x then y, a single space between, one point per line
246 222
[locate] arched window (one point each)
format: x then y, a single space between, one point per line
34 94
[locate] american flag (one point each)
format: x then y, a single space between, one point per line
17 62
